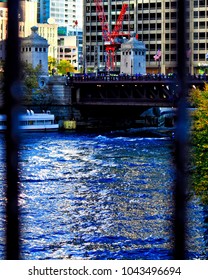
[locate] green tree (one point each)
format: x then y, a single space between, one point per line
32 93
29 79
65 66
199 141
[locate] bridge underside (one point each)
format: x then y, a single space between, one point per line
111 111
124 94
121 103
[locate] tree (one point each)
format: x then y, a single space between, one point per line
52 62
199 141
29 79
65 66
32 93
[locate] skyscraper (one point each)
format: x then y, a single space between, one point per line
64 12
155 22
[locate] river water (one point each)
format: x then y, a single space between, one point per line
99 196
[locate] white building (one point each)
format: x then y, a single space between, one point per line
34 50
133 57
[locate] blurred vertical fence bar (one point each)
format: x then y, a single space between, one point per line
12 104
181 137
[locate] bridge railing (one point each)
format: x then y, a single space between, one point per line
137 77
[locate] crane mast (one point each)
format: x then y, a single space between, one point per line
111 44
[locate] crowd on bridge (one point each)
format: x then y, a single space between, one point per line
71 77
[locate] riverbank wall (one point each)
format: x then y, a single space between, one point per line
56 96
57 99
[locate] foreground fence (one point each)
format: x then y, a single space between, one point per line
12 105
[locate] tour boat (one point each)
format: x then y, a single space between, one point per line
33 122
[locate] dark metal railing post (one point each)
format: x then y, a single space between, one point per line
181 138
12 99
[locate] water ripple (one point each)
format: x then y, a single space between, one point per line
100 197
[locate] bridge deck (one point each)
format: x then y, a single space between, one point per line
127 92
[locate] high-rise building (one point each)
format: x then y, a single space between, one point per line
70 46
155 22
67 14
64 12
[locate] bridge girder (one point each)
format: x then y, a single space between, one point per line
125 94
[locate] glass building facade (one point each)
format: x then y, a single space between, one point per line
155 22
64 12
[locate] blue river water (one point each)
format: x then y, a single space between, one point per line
99 196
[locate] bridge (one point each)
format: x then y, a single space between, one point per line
130 91
124 99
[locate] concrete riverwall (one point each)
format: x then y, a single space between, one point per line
59 100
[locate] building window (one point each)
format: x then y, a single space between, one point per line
202 25
202 35
195 46
196 25
195 57
195 14
202 46
201 57
195 36
202 14
196 3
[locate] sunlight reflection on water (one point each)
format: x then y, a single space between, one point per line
99 197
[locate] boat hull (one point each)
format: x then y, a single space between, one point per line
33 122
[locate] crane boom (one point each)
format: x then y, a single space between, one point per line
110 37
102 18
119 21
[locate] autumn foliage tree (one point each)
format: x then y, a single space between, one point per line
65 66
199 142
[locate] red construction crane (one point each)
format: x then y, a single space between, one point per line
111 43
